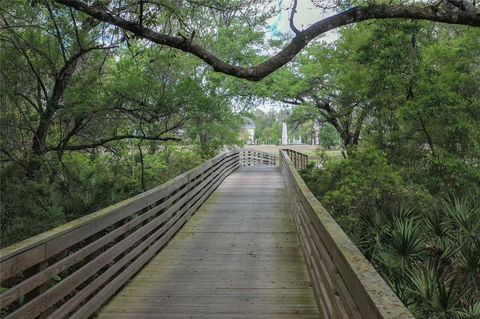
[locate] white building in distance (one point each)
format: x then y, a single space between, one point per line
248 131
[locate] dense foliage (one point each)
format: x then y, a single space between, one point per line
93 113
408 193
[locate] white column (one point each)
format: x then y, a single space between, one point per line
284 134
317 126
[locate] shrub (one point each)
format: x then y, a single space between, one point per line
361 184
426 248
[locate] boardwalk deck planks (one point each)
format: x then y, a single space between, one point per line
259 246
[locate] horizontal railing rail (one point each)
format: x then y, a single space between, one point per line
249 157
346 285
72 270
298 159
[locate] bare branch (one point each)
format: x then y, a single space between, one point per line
292 14
77 34
295 101
27 57
58 34
63 76
30 101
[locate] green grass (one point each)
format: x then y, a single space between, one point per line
334 155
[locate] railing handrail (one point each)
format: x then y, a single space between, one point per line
118 240
358 289
299 159
29 243
252 157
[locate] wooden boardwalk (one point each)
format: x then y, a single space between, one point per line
238 254
238 257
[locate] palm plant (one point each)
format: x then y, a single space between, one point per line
436 224
430 259
406 241
464 213
436 291
79 203
374 231
429 256
471 312
439 243
423 281
469 263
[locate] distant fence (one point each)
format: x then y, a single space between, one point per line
249 157
70 271
298 159
345 284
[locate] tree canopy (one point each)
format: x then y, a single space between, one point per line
130 17
99 102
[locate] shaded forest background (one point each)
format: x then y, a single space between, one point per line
92 114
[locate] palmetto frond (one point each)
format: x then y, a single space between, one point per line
472 312
436 291
436 224
406 240
463 212
404 212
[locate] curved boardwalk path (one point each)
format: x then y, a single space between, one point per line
238 257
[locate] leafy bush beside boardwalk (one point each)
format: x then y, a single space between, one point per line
426 246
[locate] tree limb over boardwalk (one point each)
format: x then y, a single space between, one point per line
443 12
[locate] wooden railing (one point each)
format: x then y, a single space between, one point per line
70 271
345 284
249 157
298 159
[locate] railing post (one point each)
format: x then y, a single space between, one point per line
40 289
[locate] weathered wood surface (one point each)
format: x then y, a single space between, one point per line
346 285
249 157
70 271
298 159
237 257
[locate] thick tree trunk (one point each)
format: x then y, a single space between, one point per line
350 139
204 139
39 140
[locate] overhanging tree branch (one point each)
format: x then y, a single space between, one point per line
439 13
104 141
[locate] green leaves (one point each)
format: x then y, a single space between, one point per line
438 293
472 312
464 211
426 248
405 240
